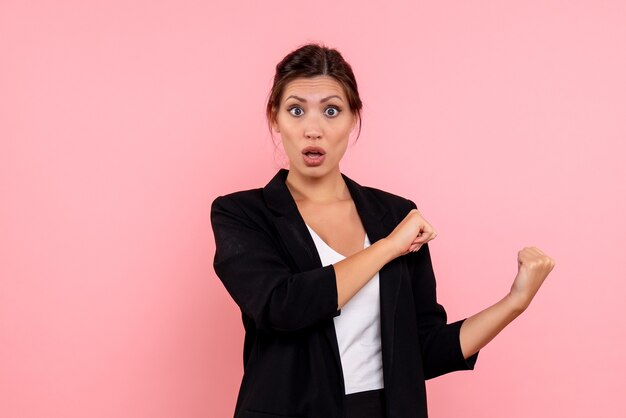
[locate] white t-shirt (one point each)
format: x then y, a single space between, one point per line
357 328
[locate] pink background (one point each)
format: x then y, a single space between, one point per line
121 121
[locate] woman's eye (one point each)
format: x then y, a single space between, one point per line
332 111
296 111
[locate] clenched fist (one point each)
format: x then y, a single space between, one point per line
411 233
533 266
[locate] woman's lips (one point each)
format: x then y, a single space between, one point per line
313 156
313 159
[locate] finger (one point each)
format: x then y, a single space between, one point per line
526 253
421 239
433 235
429 236
532 253
426 237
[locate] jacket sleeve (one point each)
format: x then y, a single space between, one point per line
440 342
249 263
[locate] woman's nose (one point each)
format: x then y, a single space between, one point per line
312 129
312 134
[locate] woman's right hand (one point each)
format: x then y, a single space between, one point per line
411 233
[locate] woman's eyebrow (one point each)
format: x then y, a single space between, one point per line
325 99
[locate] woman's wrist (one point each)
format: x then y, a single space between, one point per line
516 302
389 250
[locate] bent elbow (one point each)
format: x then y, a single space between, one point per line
292 308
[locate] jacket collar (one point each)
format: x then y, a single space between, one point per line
297 240
279 199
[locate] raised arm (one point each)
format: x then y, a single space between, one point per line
479 329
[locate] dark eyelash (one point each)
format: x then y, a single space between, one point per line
337 109
289 109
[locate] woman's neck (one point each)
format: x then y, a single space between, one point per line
328 189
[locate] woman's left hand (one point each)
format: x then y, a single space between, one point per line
533 268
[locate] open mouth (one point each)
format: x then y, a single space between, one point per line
313 154
313 151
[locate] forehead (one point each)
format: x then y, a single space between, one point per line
314 88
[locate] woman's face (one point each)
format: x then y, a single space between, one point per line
314 112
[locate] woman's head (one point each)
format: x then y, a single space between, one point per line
330 110
313 60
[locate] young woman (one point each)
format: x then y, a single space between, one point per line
334 280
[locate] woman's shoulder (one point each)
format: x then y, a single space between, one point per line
391 200
385 197
388 196
242 207
379 201
239 199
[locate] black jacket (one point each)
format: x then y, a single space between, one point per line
268 262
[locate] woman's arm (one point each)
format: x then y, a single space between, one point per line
449 347
477 330
248 262
355 271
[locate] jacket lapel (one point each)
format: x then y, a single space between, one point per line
378 223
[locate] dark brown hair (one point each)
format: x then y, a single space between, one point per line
313 60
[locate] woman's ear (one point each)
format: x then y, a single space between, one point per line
275 124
